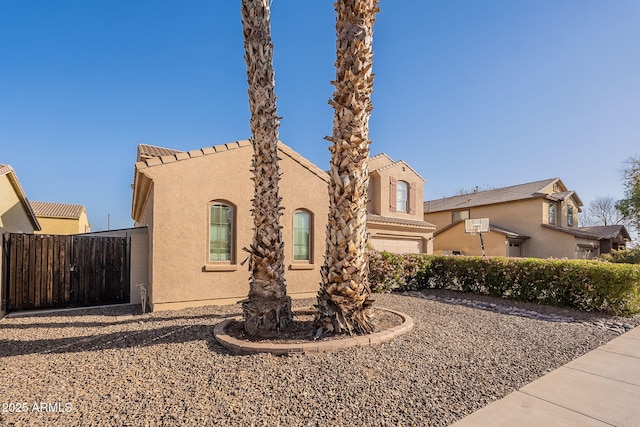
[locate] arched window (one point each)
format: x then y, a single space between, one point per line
402 196
301 236
220 232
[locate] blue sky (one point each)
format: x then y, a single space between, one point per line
488 93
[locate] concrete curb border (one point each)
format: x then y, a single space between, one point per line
242 346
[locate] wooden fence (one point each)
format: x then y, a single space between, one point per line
44 271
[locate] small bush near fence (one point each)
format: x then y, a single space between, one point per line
586 285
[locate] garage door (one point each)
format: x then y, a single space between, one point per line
397 246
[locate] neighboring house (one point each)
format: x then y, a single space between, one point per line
537 219
61 218
612 237
395 218
197 206
16 214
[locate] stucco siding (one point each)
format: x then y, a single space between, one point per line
181 274
456 240
13 216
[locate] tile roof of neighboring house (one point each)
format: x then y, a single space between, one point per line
398 221
573 231
607 231
499 195
13 179
148 151
57 210
510 234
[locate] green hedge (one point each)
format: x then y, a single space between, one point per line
585 285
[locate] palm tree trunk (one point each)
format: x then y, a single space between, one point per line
268 307
343 299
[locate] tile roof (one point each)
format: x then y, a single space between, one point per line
148 151
57 210
607 231
573 231
160 155
399 221
5 169
499 195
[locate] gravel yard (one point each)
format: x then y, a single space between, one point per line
113 366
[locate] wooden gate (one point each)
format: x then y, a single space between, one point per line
44 271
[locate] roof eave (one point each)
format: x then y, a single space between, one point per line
13 179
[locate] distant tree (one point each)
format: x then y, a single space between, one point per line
630 205
602 211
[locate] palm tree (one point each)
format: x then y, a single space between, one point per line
344 302
268 307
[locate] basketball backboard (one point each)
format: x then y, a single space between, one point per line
476 225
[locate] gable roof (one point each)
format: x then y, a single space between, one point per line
148 151
13 180
382 161
379 160
606 232
576 232
152 156
57 210
530 190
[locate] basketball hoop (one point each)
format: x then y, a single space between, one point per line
477 226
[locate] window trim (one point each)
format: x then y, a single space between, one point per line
551 214
569 215
453 219
309 237
407 202
232 236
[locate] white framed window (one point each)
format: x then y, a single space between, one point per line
570 216
301 235
459 215
552 213
402 196
220 232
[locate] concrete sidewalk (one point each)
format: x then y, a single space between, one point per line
601 388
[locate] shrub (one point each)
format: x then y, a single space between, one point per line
624 256
586 285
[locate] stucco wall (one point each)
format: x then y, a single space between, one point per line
178 214
53 225
399 239
379 203
455 239
13 216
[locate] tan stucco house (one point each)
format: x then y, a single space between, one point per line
395 218
16 214
196 205
537 219
61 218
